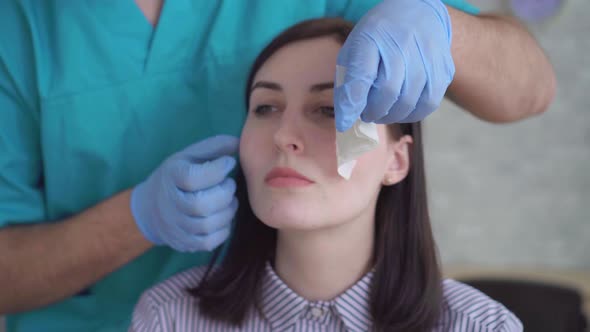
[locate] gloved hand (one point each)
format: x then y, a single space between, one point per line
188 203
396 64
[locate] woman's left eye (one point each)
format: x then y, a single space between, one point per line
262 110
327 111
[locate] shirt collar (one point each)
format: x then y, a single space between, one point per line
282 307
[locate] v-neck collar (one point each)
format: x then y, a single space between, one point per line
182 29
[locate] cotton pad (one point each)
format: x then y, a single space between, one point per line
360 138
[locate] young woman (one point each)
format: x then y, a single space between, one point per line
312 251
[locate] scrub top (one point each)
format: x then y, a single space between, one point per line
93 99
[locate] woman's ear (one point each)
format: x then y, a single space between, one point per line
398 164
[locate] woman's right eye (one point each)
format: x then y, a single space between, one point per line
262 110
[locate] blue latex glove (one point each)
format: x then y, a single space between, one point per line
397 64
188 203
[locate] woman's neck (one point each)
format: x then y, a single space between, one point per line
151 9
322 264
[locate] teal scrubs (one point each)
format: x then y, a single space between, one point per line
93 99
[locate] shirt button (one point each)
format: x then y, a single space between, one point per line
317 312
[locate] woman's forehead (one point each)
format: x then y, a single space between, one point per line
312 61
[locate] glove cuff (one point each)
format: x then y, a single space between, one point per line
138 212
443 15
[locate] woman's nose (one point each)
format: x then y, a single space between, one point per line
288 136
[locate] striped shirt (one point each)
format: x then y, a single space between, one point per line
169 307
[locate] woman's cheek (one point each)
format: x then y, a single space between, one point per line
248 148
243 152
324 145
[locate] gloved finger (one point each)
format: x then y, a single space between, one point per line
170 232
359 57
211 148
387 87
189 176
208 242
206 202
412 88
439 77
425 106
212 223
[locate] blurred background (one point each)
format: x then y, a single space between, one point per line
513 201
519 194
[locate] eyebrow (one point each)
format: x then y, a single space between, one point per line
322 86
277 87
266 85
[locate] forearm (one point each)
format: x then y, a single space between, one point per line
44 263
502 75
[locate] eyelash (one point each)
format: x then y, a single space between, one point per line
262 110
327 111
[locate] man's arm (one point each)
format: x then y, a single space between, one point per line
502 75
44 263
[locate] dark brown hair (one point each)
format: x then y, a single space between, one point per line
406 289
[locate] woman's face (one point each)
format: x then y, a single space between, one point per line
288 145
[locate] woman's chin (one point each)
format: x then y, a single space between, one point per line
286 224
289 216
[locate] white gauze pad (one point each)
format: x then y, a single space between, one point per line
361 138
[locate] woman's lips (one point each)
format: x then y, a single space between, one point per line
286 177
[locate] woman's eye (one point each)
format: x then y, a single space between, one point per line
262 110
327 111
